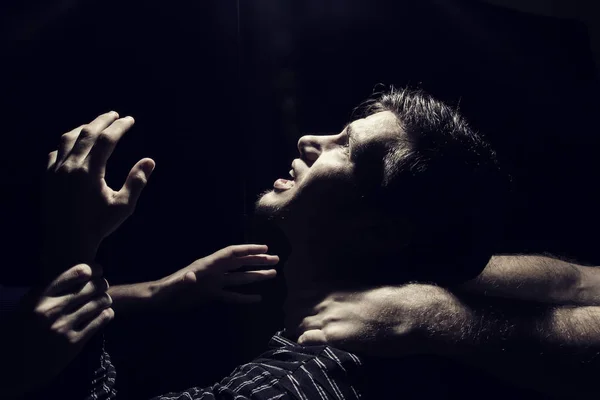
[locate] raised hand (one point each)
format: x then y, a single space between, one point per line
80 208
212 277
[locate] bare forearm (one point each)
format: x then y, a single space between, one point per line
538 278
552 350
136 297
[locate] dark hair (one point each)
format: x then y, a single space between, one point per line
441 176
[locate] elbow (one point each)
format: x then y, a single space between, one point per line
586 288
570 288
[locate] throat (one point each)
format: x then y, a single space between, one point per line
312 273
301 304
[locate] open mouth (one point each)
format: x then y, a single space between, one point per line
283 184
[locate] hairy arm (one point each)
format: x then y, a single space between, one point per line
542 279
552 349
528 319
531 320
548 348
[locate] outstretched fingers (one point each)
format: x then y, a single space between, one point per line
257 260
247 277
242 250
88 135
234 257
65 146
136 181
105 143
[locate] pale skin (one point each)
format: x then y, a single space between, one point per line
78 201
92 210
531 278
340 308
73 301
320 219
424 319
418 318
323 158
341 318
207 279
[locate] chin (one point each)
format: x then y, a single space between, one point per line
270 205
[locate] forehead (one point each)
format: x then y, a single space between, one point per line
378 127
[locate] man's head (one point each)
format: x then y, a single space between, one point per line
408 191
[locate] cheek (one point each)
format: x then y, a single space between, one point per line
326 184
328 171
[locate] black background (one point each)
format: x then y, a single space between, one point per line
221 90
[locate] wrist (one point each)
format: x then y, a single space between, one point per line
175 292
155 289
133 297
157 292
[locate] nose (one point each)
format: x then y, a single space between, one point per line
309 147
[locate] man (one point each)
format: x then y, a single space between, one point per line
379 202
375 204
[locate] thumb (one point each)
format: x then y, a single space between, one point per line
313 337
137 179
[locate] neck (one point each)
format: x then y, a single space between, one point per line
308 281
304 292
312 261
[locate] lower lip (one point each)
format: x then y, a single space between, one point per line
283 184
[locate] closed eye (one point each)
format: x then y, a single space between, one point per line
348 136
346 148
346 145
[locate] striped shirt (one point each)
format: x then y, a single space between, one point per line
91 376
287 371
103 382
